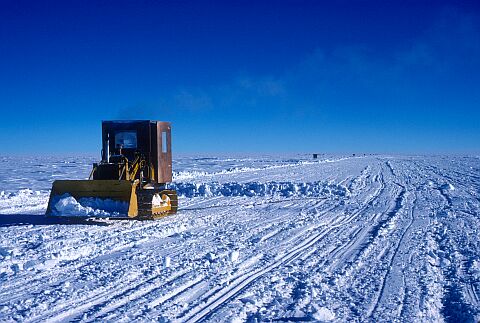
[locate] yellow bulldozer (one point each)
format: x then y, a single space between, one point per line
135 169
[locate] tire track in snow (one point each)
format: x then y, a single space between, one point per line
296 240
356 268
339 254
95 303
111 307
329 256
412 189
88 262
390 263
129 297
237 285
373 232
224 295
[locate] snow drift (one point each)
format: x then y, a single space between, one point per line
283 189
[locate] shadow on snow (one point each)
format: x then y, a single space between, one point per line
8 220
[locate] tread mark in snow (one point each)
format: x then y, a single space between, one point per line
390 214
384 280
224 295
340 252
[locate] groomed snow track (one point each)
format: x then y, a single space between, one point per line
373 238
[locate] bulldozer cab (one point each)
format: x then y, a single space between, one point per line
133 141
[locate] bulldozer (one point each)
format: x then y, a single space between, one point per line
135 170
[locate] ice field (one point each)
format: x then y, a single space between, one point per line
257 238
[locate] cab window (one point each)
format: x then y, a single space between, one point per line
126 139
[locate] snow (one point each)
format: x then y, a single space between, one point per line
285 189
66 205
323 314
256 238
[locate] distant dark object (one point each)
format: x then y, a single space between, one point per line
353 155
315 156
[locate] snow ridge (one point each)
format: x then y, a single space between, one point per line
183 175
250 189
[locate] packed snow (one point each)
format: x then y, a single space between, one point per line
256 238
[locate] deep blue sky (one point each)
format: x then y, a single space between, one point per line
243 76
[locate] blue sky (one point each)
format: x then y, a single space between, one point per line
243 76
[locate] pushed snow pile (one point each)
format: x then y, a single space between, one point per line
231 170
283 189
183 175
210 166
66 205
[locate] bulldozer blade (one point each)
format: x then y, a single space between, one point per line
120 190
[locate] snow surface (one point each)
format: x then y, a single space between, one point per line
368 238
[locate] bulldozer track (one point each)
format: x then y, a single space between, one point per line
145 207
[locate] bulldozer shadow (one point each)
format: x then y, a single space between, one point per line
9 220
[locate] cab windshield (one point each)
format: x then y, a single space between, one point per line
126 139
